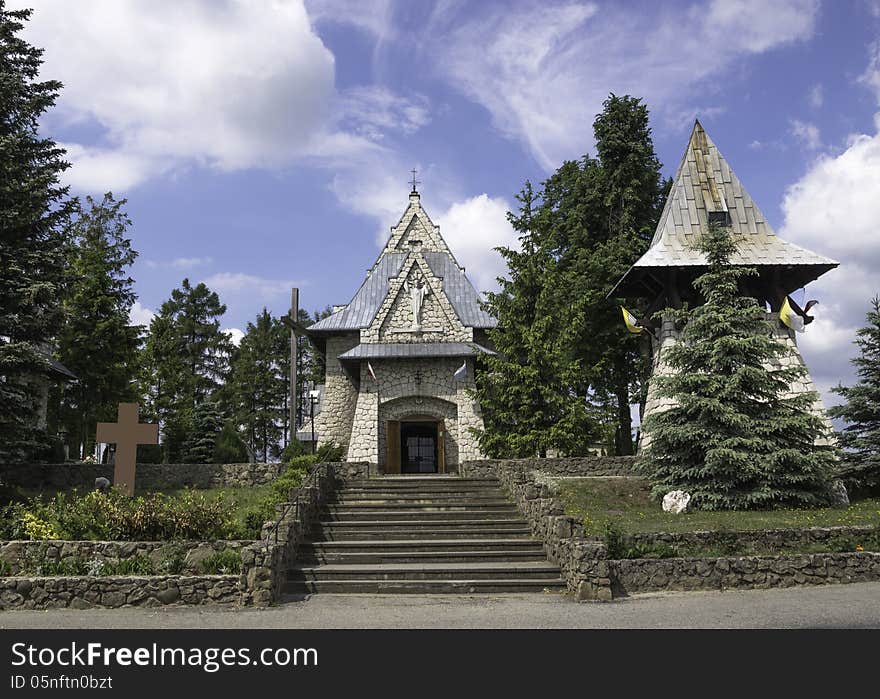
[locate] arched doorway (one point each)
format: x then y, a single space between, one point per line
417 436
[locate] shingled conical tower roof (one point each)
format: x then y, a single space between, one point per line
706 189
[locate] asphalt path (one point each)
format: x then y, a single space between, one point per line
832 606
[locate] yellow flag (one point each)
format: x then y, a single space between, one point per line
790 318
631 321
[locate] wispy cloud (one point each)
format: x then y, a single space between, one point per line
235 283
179 263
543 70
815 97
807 134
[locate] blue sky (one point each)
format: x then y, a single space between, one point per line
263 144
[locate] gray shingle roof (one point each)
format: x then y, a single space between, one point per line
459 290
705 183
406 350
365 304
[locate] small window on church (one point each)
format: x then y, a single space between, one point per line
722 218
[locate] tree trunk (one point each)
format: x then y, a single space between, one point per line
624 441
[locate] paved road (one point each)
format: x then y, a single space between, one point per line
833 606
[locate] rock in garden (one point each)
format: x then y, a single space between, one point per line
839 496
676 501
102 484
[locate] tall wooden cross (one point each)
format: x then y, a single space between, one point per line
127 433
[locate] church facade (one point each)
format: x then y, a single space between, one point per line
400 357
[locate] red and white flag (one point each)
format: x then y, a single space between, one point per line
372 373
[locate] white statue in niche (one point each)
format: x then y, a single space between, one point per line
417 292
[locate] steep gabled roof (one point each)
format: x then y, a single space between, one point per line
706 187
414 227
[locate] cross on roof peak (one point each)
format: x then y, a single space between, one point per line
414 181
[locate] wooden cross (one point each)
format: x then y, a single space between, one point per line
126 433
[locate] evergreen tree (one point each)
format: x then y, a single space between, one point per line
526 408
861 409
96 341
34 209
734 438
202 441
186 361
259 386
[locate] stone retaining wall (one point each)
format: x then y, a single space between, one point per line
591 575
14 553
761 538
122 591
572 467
54 477
648 574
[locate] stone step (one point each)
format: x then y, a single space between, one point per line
345 533
424 501
519 570
318 557
428 587
358 514
415 488
472 544
425 480
420 507
488 496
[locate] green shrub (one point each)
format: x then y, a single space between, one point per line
615 540
291 451
5 568
225 562
330 452
173 561
229 447
137 565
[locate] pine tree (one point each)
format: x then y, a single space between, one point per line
861 409
96 341
186 361
259 386
734 437
526 408
202 441
34 209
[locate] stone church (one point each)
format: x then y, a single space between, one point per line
400 357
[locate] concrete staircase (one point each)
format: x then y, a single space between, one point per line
427 534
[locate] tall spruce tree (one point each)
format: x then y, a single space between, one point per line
861 407
526 407
186 361
34 209
734 437
96 341
259 386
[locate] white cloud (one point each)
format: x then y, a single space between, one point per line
140 315
372 111
871 77
815 97
474 227
834 209
807 134
234 334
543 71
230 86
233 283
179 263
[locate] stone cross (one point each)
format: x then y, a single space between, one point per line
126 433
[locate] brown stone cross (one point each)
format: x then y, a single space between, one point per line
127 433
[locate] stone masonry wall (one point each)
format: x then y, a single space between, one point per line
333 423
571 467
15 553
649 574
54 477
122 591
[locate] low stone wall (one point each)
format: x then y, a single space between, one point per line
647 574
571 467
54 477
583 562
193 553
121 591
778 539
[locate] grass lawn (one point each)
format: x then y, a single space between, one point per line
627 504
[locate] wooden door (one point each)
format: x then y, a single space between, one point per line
392 446
441 447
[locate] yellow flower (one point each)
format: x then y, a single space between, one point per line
860 548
